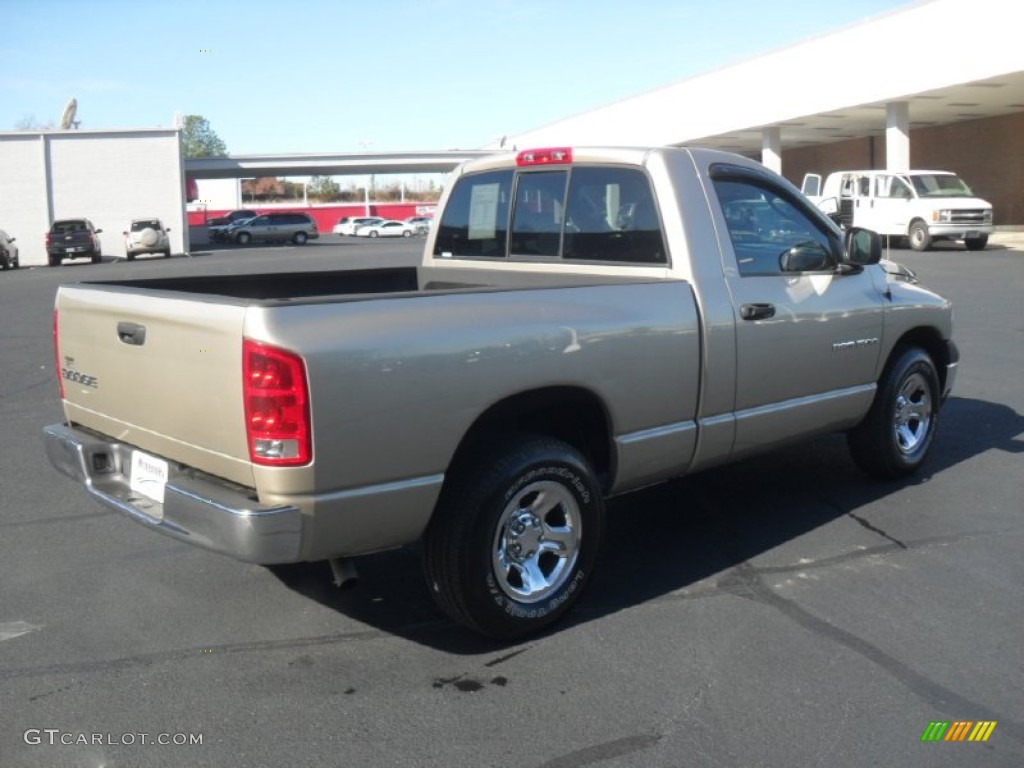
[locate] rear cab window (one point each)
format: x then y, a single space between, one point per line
585 213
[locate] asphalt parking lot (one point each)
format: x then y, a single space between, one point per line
785 611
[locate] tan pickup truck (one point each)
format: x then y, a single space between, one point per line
584 322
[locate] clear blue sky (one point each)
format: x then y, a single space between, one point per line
311 76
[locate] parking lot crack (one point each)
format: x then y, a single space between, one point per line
875 529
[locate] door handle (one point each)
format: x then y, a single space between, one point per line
131 333
757 311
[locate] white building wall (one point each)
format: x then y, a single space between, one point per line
108 177
23 212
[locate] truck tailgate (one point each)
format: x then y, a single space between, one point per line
149 370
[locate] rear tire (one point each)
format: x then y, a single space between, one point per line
97 257
514 537
894 437
131 257
167 253
54 261
299 238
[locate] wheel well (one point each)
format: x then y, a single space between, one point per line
573 415
930 340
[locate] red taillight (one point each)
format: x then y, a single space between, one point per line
276 406
544 156
49 238
56 354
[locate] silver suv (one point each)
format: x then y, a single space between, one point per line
146 236
277 227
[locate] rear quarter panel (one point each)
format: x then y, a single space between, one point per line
396 384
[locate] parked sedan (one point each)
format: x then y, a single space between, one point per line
389 228
349 224
8 252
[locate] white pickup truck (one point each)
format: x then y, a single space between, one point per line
922 206
585 322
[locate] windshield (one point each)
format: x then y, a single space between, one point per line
940 185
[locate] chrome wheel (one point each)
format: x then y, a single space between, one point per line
912 417
536 542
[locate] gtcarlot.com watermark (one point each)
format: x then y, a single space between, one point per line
55 736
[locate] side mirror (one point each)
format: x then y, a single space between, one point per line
862 247
805 257
98 231
168 229
123 233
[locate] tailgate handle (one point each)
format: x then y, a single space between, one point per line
131 333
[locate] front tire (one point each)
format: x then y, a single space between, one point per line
894 437
373 233
515 537
919 236
243 238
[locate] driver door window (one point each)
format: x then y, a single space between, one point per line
771 236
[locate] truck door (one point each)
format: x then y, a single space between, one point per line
808 337
855 200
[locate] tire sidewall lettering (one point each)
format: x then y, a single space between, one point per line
565 473
539 610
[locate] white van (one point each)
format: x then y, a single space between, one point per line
923 206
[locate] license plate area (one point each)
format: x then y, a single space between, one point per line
149 476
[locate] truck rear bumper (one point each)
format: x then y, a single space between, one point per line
197 508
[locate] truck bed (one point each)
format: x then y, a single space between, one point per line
277 288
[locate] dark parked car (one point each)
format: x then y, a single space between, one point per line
73 239
233 216
222 233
